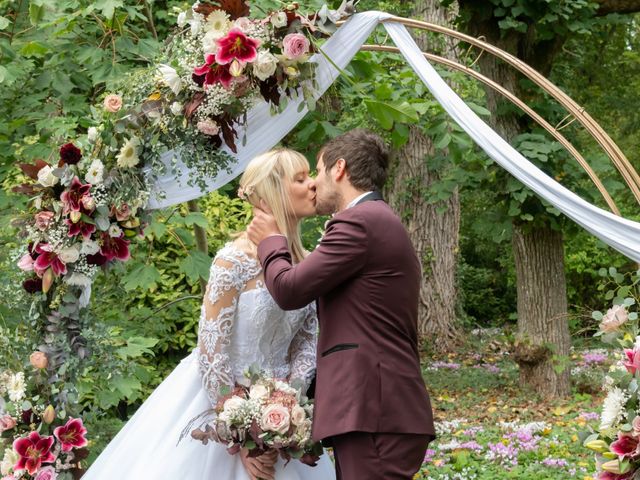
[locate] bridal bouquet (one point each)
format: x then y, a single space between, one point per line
617 441
267 414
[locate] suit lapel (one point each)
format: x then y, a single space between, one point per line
375 195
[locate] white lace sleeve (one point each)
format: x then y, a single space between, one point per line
230 271
303 349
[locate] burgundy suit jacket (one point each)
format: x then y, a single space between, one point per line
366 277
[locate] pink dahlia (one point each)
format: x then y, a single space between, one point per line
71 435
33 450
236 45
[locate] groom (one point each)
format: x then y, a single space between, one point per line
371 404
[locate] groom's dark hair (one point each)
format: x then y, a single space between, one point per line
365 154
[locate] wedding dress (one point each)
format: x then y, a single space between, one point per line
240 325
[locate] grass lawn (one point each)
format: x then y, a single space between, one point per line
489 427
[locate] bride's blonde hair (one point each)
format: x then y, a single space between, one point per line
266 178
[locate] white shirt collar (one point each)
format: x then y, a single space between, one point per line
357 199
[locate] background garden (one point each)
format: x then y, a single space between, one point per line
509 287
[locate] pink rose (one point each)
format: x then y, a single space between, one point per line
7 422
43 219
122 212
26 263
208 127
295 46
275 418
38 360
112 103
636 426
614 318
47 473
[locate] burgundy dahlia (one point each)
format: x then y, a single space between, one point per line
70 154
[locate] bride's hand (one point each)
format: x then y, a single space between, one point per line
260 468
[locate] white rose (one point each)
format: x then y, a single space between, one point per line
232 404
279 20
285 387
258 392
115 231
265 65
95 172
298 415
196 24
46 176
89 247
69 255
170 78
176 108
92 134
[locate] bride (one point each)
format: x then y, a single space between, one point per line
240 325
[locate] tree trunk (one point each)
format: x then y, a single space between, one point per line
434 235
538 254
543 332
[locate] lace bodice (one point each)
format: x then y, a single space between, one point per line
241 325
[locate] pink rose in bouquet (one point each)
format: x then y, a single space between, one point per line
295 46
275 418
7 422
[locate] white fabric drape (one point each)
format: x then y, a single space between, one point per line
264 131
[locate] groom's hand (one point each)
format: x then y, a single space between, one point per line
262 226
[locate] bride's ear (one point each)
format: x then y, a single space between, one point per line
264 206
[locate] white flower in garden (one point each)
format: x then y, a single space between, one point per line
279 19
69 254
264 65
89 247
16 387
78 280
115 231
46 177
170 77
176 108
218 23
128 156
95 172
613 408
92 134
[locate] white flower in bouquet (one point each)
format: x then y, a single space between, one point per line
46 178
298 415
16 387
286 388
279 19
195 22
78 280
258 392
128 156
275 418
209 42
10 458
264 65
115 231
92 134
89 247
176 108
170 77
69 254
95 172
232 408
217 23
613 408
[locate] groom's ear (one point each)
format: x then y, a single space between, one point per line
340 169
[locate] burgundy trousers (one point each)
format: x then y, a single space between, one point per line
378 456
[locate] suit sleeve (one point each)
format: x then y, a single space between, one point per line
340 256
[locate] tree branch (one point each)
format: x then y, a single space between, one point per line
618 6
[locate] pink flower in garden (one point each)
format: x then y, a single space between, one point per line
236 45
46 259
7 422
295 46
112 103
71 435
47 473
34 450
114 247
210 72
625 446
614 318
26 263
77 198
43 219
632 363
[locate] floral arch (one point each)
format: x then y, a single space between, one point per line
227 89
